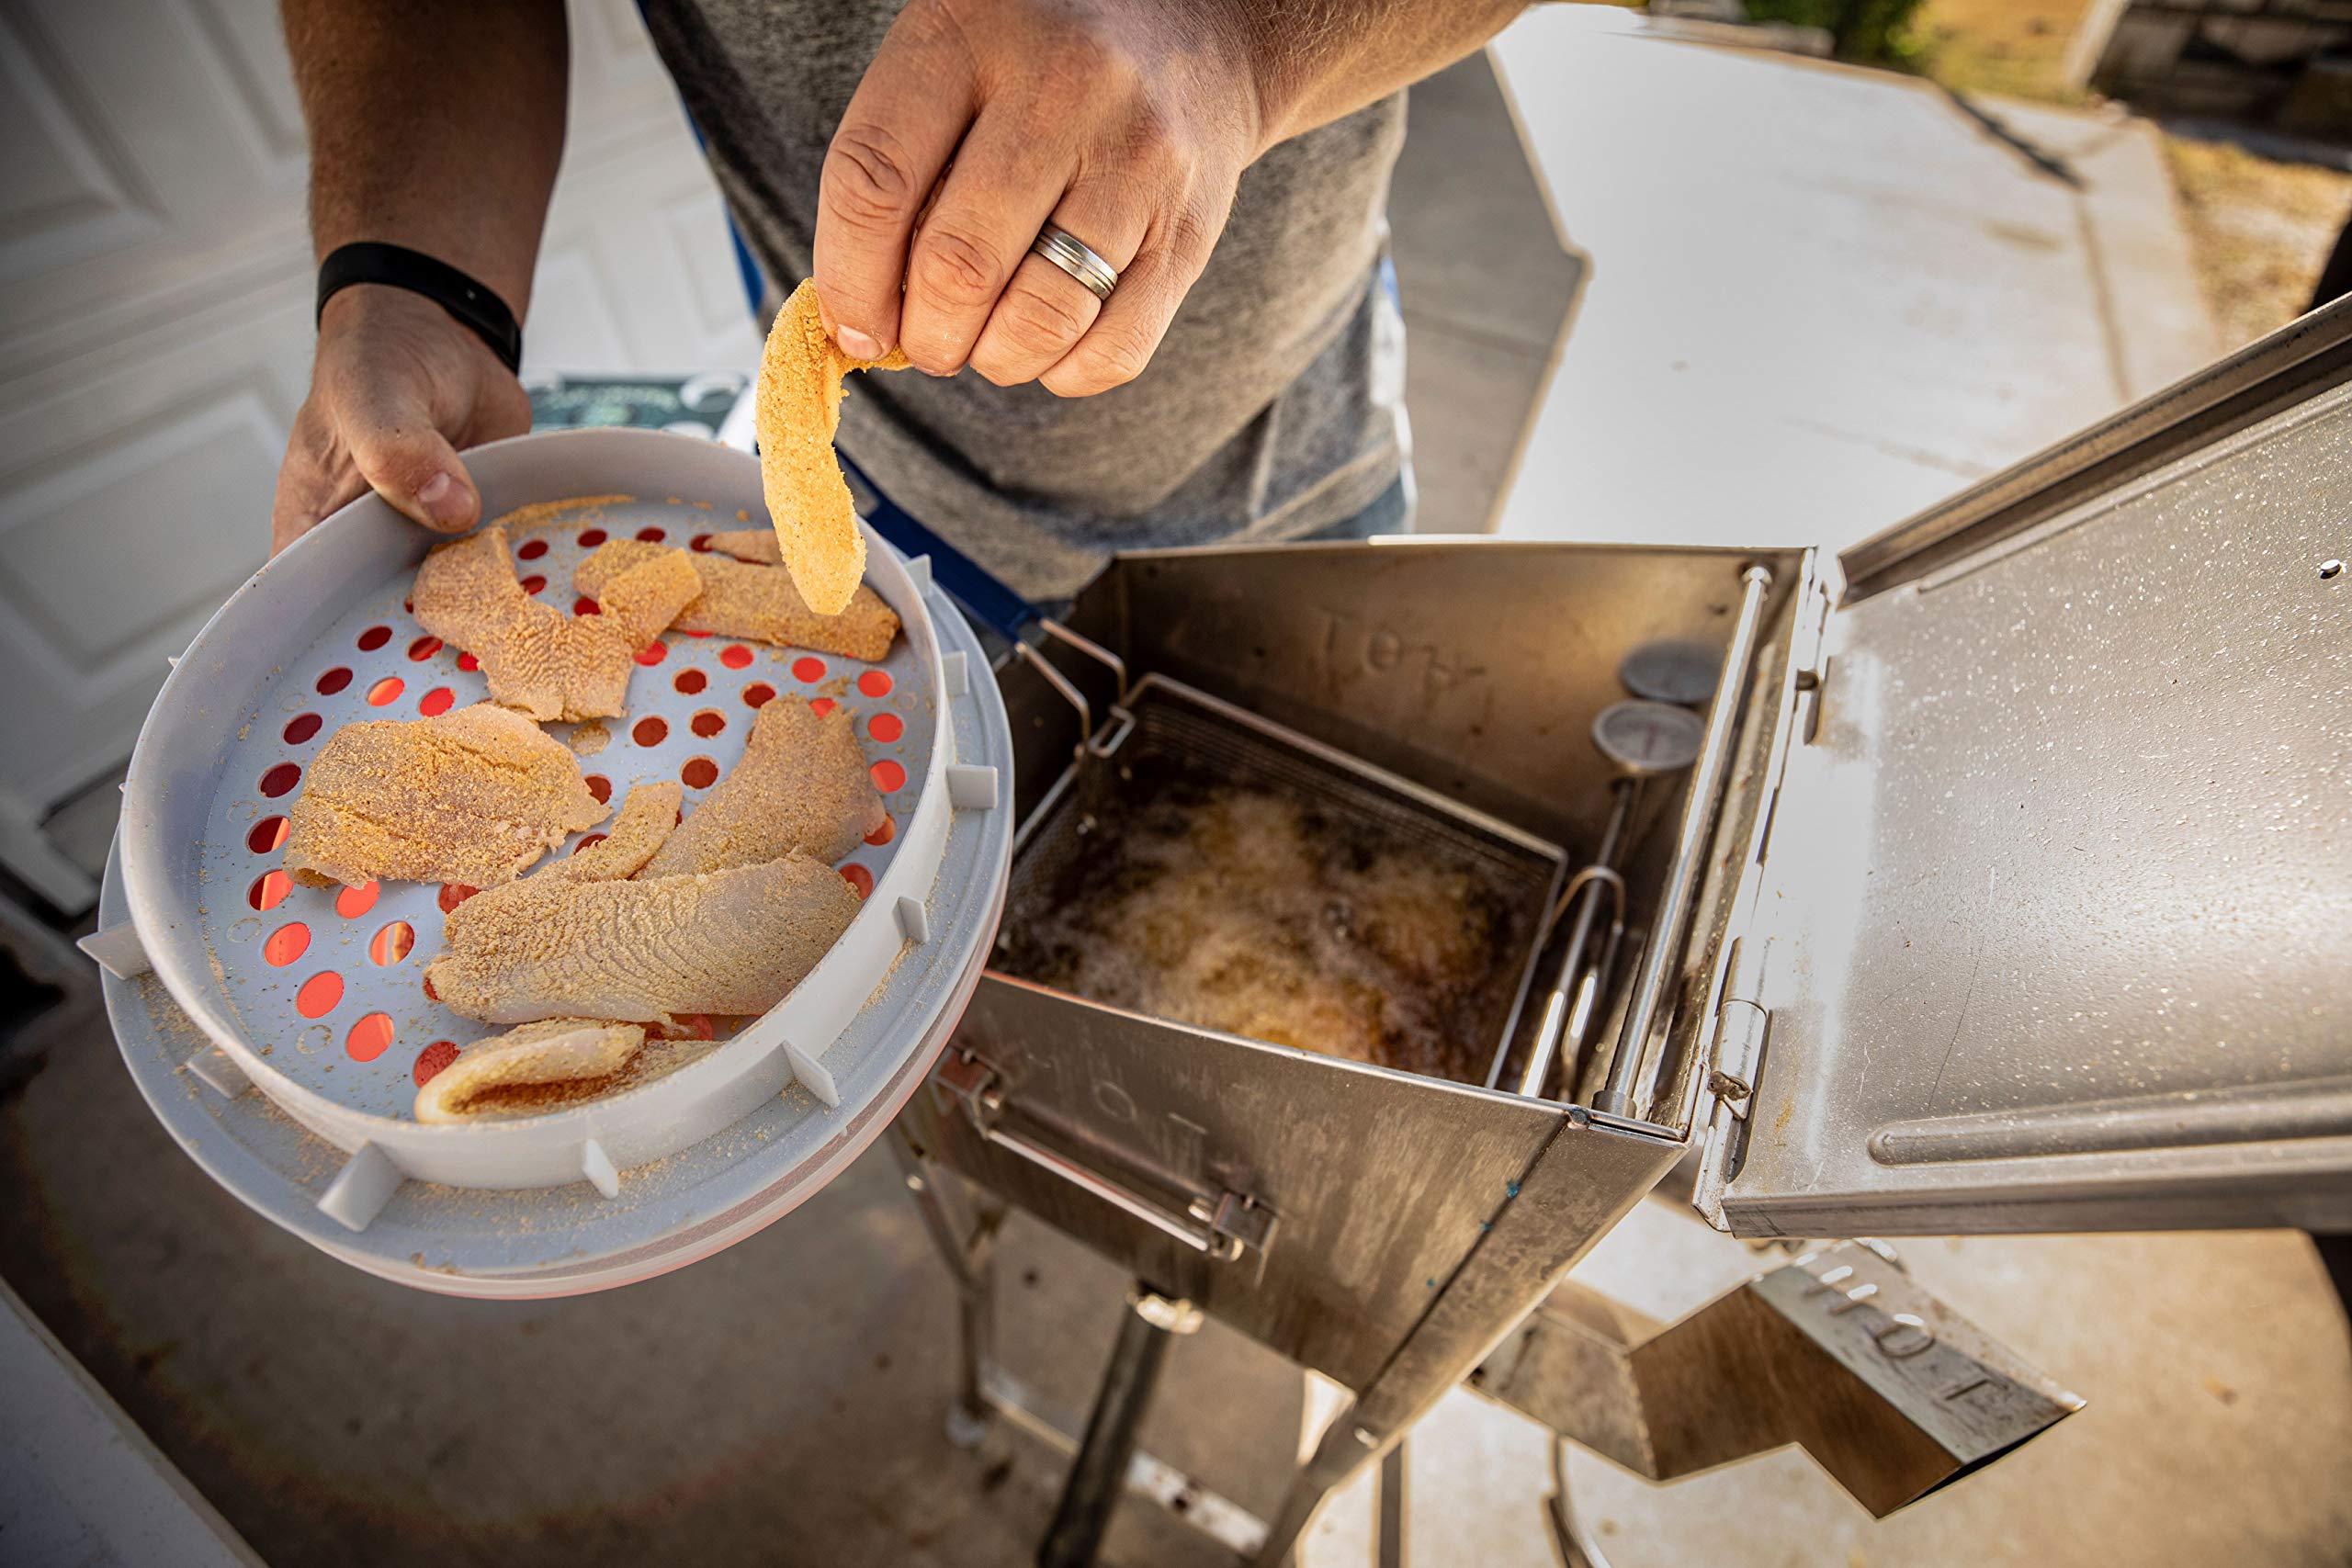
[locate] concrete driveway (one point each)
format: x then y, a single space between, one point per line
1820 298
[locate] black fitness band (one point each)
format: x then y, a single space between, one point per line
471 304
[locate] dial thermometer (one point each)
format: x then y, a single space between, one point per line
1672 671
1645 739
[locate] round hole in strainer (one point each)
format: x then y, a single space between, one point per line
857 877
653 653
885 726
423 648
286 944
454 894
392 944
469 663
758 694
820 706
874 683
319 994
436 702
650 730
267 834
534 582
334 680
354 902
651 535
531 549
735 656
808 667
373 637
280 779
370 1038
301 727
270 890
889 775
885 833
588 841
386 691
690 682
432 1059
707 722
601 787
699 543
700 773
590 538
584 605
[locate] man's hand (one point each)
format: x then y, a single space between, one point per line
1127 124
397 388
437 124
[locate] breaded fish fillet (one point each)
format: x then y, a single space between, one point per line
572 1050
648 817
471 797
799 407
730 943
536 658
801 785
754 601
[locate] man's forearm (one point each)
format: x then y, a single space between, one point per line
435 124
1318 60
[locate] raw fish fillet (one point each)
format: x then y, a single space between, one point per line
493 1078
799 407
471 797
536 658
730 943
754 601
801 785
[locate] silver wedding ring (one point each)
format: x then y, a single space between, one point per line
1076 257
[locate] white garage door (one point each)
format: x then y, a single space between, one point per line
155 336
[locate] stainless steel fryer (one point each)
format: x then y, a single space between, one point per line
2012 890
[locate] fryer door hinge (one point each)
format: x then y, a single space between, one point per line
1742 1029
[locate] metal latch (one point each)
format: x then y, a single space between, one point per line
1220 1222
1743 1028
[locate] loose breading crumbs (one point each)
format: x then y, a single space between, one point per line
758 602
799 407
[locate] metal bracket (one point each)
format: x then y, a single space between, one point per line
1222 1223
1890 1391
1115 728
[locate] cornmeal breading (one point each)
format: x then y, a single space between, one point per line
566 1051
801 786
755 545
536 658
730 943
799 407
754 601
471 797
648 816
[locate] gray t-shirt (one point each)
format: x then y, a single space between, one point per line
1269 413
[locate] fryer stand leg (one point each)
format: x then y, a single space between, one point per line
967 1240
1099 1473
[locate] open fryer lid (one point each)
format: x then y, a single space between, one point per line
2057 901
